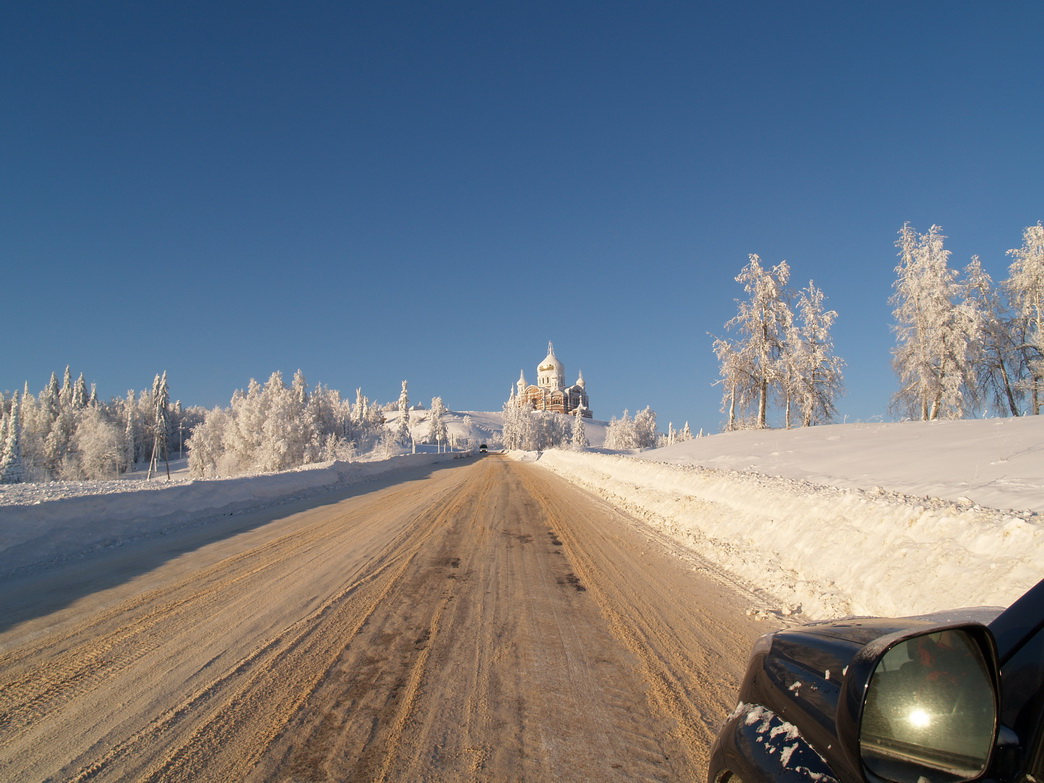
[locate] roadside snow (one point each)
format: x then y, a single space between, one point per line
993 462
42 523
882 519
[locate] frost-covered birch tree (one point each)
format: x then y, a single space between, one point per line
751 365
936 330
816 378
997 357
1025 287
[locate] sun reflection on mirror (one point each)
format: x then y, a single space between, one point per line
920 719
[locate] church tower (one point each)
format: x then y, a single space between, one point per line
551 372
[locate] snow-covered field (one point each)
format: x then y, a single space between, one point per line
827 521
885 519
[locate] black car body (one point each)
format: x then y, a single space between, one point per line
941 698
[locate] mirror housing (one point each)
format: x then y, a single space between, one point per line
922 705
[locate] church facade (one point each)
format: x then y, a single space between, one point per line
550 392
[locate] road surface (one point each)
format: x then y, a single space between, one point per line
482 620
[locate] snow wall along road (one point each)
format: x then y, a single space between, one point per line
822 551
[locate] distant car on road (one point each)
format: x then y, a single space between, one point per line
482 448
944 698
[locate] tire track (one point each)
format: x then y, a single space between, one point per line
29 691
244 709
689 654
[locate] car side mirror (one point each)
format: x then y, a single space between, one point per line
926 706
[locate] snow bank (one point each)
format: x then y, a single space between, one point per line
994 462
829 551
41 523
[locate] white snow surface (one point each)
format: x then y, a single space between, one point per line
877 519
47 522
823 522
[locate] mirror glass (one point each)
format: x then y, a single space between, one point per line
930 711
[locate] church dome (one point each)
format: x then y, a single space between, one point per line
551 362
551 372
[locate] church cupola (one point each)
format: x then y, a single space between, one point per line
551 372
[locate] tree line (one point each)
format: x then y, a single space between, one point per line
278 426
66 433
963 344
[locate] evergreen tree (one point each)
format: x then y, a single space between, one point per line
12 469
160 425
79 394
66 392
403 435
579 436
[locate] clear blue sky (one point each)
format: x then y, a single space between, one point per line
433 190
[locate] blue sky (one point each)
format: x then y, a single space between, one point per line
432 191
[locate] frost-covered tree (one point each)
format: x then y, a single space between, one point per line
1025 288
466 439
936 330
645 428
626 433
579 438
437 423
511 431
12 468
403 435
98 446
209 453
620 432
738 380
160 424
750 366
815 373
79 393
997 356
275 427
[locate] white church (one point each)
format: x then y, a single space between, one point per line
550 392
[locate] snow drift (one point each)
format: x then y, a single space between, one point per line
860 544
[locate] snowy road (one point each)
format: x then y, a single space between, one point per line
481 621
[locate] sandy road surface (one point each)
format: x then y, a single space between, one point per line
485 621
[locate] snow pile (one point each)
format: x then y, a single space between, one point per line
853 540
41 523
